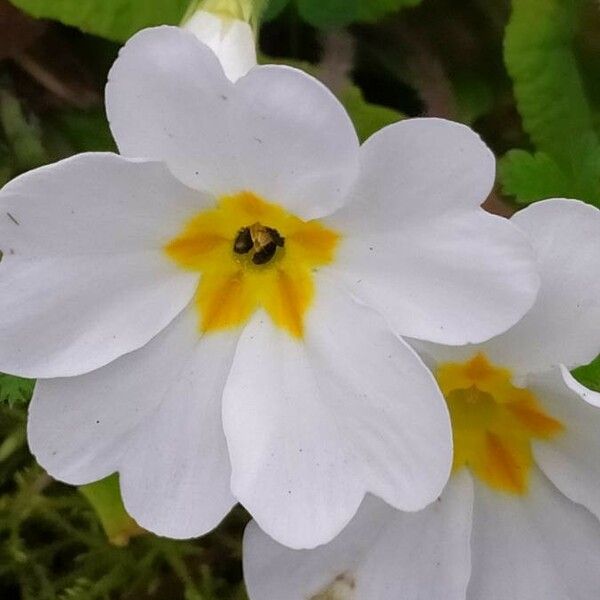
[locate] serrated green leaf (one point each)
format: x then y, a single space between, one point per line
550 93
367 118
105 498
589 375
15 390
115 20
531 177
538 52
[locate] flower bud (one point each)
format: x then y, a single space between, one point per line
225 26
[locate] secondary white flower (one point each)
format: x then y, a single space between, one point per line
510 524
214 314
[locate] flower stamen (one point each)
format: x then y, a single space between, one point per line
263 241
243 266
494 423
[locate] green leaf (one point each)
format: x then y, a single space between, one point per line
116 20
589 375
84 131
474 97
23 135
550 93
15 390
538 51
373 10
367 118
531 177
274 9
328 13
337 13
105 498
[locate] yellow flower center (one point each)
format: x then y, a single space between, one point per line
493 423
252 254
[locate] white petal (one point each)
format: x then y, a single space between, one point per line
562 327
417 168
434 354
83 278
78 427
297 144
168 98
175 477
541 546
230 39
66 316
312 425
273 572
570 460
417 247
383 554
154 415
424 554
95 203
459 277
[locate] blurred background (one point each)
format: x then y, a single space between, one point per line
524 74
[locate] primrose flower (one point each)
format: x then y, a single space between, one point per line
215 313
519 517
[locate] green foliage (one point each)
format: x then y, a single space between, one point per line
552 101
15 390
328 13
115 20
367 118
589 375
372 10
118 20
337 13
22 135
531 177
73 131
28 141
274 8
547 83
474 98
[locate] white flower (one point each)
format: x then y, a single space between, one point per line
130 287
519 517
